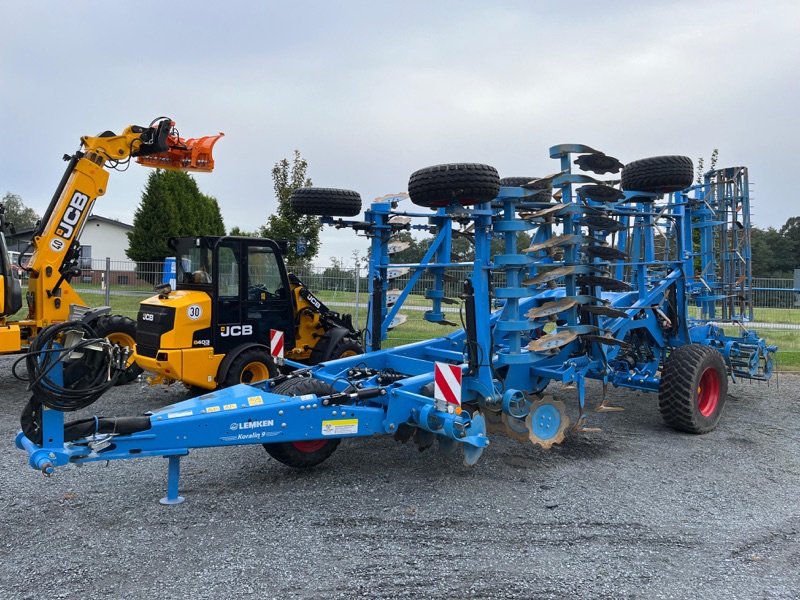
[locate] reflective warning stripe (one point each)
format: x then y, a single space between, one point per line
276 343
447 383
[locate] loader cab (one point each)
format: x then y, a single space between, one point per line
11 287
248 285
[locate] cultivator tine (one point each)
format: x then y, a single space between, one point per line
581 427
552 342
604 406
606 283
542 183
600 193
446 300
424 439
551 308
606 340
598 163
598 222
545 213
605 252
556 242
550 275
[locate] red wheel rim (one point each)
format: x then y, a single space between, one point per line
310 446
708 392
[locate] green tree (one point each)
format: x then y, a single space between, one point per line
285 224
772 253
239 232
791 232
172 205
20 216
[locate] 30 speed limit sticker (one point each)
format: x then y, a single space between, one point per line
194 312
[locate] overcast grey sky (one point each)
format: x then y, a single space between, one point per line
371 91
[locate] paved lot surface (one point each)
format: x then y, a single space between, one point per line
636 511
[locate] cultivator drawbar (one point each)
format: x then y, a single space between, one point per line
603 291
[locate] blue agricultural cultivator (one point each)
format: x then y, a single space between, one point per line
628 280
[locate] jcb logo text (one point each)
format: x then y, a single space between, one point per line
235 330
72 215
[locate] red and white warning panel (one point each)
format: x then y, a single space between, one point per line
276 343
447 386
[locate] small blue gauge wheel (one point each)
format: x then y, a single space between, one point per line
546 422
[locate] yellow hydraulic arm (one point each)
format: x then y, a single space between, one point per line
55 241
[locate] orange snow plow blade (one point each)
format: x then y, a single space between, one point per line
193 154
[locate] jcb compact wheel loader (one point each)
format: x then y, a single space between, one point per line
213 330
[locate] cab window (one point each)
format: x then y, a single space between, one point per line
264 275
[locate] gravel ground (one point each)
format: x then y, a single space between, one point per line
635 511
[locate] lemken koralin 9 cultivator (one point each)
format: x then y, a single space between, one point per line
625 281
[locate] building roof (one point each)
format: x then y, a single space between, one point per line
25 233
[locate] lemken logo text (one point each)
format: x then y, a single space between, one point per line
235 330
72 215
252 424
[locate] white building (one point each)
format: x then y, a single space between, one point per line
106 238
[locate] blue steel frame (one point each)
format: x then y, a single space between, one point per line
506 374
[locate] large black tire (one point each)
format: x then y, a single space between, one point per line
659 174
326 202
120 330
302 455
250 366
457 183
323 351
693 390
516 181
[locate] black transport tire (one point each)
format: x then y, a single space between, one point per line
250 366
457 183
693 389
659 174
516 181
302 455
325 202
120 330
323 351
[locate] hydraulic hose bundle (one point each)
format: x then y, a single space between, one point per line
69 367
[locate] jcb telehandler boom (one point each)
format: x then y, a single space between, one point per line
55 242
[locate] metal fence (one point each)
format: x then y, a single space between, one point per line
123 284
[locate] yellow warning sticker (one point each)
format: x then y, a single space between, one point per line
340 427
229 407
211 409
255 400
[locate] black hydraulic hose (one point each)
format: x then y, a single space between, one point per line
84 381
471 327
73 161
377 313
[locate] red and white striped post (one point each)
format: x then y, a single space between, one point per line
447 386
276 345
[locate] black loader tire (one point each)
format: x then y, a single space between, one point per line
323 351
516 181
302 455
120 330
693 389
459 183
659 174
325 202
254 364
